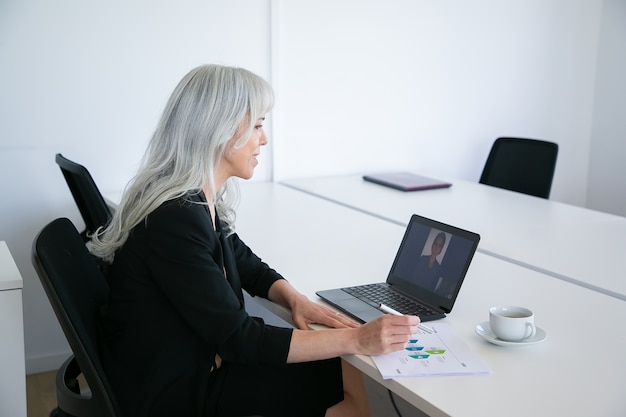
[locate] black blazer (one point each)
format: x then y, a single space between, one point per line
175 301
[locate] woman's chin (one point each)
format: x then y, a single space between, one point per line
247 175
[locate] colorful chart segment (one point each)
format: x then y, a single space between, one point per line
420 352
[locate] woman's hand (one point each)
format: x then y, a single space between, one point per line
306 312
385 334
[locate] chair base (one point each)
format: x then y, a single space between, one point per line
57 412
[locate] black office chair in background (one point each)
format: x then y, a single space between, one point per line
91 204
522 165
76 289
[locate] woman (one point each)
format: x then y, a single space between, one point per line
428 267
176 339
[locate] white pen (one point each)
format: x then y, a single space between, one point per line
390 310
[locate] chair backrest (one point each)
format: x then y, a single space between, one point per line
76 289
522 165
87 196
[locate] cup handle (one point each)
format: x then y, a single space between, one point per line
532 328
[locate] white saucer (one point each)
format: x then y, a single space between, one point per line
483 330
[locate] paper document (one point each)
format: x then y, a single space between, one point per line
441 352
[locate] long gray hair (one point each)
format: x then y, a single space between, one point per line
203 113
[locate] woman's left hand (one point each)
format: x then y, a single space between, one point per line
306 312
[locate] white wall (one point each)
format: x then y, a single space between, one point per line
362 85
89 80
427 86
607 185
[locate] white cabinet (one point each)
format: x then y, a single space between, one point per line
12 363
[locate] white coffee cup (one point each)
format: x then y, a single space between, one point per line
512 323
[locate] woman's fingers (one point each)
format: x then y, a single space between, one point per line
344 321
313 313
387 334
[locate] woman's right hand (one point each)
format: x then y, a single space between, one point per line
385 334
382 335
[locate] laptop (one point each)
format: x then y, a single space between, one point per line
406 181
424 280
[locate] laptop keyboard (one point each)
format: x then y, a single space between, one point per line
379 294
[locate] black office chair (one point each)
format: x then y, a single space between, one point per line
91 204
76 289
522 165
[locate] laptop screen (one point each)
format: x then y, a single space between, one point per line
432 261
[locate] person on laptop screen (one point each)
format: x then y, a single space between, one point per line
428 269
176 338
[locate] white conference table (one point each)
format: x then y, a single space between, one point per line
575 244
580 370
